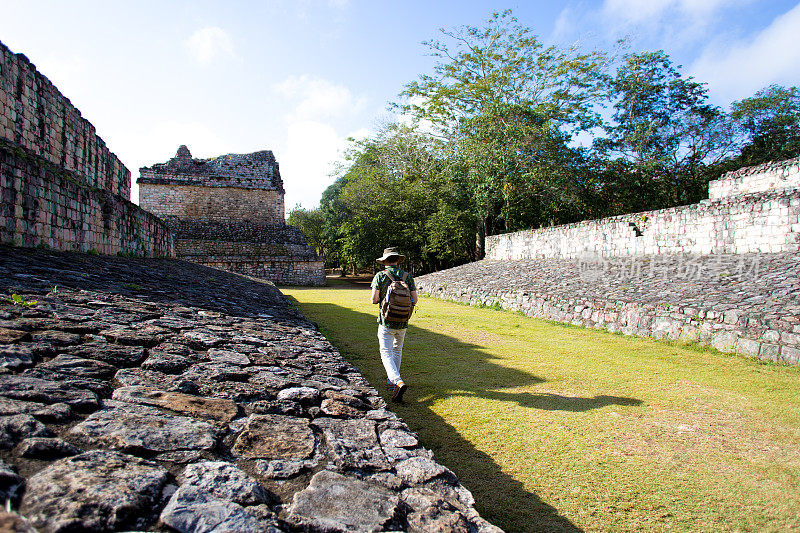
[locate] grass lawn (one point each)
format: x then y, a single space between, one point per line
558 428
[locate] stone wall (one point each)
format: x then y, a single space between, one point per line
60 187
740 303
721 273
45 205
227 212
37 117
275 252
159 395
211 203
760 222
282 270
769 176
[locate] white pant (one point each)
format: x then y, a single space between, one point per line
391 343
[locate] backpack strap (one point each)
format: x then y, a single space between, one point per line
392 277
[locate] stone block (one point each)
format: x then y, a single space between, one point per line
748 347
724 341
770 352
790 355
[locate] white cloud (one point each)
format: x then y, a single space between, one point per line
339 4
209 44
736 70
312 148
319 116
317 98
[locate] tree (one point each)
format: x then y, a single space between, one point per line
770 120
664 132
384 198
520 168
493 89
504 62
312 223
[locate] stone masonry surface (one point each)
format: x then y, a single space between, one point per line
42 204
227 212
759 178
743 303
228 187
161 395
60 187
35 115
755 209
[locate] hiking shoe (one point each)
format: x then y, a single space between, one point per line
399 390
389 385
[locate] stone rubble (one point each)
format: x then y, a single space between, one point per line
159 395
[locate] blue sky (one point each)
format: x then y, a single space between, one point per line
300 76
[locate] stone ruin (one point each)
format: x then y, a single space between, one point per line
151 394
60 185
228 212
161 395
723 273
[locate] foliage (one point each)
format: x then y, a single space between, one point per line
664 133
17 299
504 62
312 223
770 120
487 143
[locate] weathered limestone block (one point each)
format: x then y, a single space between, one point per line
337 503
45 391
132 427
218 409
113 354
353 443
226 482
46 448
275 437
417 470
15 357
193 510
77 366
94 491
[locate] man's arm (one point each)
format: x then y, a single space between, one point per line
376 296
413 298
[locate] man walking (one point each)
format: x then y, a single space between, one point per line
391 334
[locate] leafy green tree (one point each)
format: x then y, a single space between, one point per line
664 131
505 62
383 198
770 120
520 169
312 223
493 89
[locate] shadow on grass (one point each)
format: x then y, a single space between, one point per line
436 367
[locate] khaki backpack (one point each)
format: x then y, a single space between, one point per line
397 305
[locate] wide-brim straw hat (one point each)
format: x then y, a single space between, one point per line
389 253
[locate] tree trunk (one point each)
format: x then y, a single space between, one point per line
480 239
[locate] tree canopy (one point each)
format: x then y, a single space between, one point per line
493 139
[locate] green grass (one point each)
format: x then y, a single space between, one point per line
557 428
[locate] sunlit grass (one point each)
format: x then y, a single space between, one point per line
557 428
